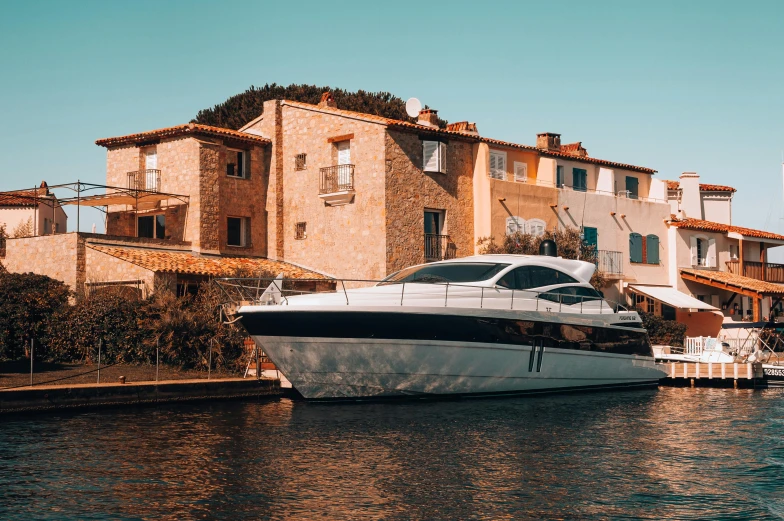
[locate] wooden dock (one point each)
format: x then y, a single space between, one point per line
713 374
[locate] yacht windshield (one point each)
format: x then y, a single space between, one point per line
453 272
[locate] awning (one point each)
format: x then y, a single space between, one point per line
138 199
671 297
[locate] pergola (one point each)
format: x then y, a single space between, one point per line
739 285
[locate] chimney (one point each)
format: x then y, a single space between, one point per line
549 141
691 203
328 100
574 149
428 117
464 127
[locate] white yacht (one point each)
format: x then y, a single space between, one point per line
475 326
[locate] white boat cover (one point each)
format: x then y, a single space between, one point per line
672 297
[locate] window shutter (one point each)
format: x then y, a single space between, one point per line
520 172
711 261
635 247
632 187
492 165
515 224
501 167
693 243
442 158
430 156
590 236
652 242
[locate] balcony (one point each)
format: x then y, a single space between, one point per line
439 247
337 184
758 270
148 180
610 263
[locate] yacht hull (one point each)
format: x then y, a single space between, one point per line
342 354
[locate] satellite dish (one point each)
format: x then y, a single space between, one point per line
413 106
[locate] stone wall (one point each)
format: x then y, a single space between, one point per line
409 191
346 240
101 267
244 198
57 256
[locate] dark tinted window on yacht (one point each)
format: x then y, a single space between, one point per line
572 295
527 277
456 272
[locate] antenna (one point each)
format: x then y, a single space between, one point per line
413 106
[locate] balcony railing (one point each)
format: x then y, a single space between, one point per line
439 247
149 180
337 178
754 270
610 262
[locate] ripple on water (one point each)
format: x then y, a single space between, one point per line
671 454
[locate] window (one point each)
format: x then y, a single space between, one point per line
527 277
434 222
571 295
635 247
515 224
301 231
453 272
235 163
151 226
703 251
344 152
632 187
237 231
498 165
652 249
434 156
559 176
535 227
300 161
651 305
579 179
151 159
734 251
520 172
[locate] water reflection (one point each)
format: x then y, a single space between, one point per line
671 454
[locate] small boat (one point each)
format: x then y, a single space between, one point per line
485 325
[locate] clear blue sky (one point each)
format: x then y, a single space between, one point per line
675 86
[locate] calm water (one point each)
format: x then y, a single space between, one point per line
668 454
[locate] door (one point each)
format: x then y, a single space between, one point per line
433 227
632 187
591 237
151 167
344 159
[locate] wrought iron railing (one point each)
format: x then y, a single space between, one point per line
148 180
610 262
439 247
337 178
758 270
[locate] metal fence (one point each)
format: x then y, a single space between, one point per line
439 247
337 178
610 262
148 180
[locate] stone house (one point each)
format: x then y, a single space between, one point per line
31 212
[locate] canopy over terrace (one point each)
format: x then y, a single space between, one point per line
672 297
739 285
137 199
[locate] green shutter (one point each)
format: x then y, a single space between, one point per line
590 236
652 243
579 179
635 247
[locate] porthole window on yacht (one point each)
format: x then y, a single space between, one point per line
454 272
527 277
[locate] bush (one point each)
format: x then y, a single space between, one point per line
27 301
570 246
661 331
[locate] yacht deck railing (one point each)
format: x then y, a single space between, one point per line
249 291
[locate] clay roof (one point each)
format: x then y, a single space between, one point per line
728 279
22 198
181 130
188 263
674 185
710 226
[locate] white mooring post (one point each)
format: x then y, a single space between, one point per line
157 357
710 370
99 359
697 370
723 370
209 367
32 344
735 370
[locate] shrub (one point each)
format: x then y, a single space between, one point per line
661 331
570 246
27 301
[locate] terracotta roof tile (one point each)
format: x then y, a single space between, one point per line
190 264
727 278
674 185
181 130
22 198
595 161
710 226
